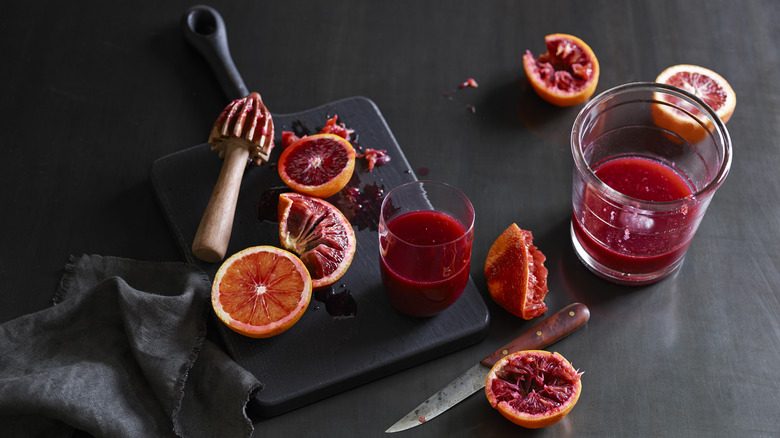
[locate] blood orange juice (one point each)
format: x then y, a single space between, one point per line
420 279
634 242
648 159
425 247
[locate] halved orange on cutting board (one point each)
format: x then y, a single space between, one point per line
317 165
319 234
261 291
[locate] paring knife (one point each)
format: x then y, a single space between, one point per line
552 329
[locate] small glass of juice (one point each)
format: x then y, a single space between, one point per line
426 229
648 159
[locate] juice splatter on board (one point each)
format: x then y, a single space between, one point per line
339 304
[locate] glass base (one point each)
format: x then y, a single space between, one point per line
624 278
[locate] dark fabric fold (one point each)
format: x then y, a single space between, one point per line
123 353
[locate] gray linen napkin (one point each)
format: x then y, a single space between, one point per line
123 353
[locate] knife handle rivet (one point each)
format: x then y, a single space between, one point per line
571 313
504 352
538 333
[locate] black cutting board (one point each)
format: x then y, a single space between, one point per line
322 354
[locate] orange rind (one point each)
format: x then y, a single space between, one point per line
515 273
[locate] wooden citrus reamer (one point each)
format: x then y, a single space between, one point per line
242 134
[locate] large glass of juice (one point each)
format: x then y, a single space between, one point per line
648 159
426 230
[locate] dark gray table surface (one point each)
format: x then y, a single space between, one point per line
93 93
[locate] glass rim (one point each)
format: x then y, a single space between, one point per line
695 198
467 230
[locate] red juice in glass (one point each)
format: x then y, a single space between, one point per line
425 254
648 159
635 242
420 278
643 179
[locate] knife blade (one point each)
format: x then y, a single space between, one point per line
557 326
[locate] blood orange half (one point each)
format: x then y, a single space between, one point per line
318 165
533 388
319 233
704 83
261 291
680 117
515 273
567 74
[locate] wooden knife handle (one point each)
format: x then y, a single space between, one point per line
557 326
213 235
